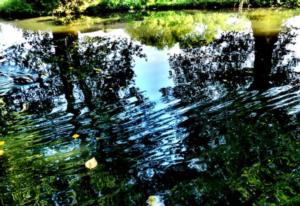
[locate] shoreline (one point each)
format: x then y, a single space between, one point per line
105 10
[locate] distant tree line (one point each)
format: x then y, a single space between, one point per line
72 8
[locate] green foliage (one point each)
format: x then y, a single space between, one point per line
121 4
68 11
259 165
141 4
275 156
56 168
44 5
190 29
27 8
3 117
16 7
167 28
149 4
263 3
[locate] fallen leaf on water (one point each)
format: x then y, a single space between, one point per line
98 70
91 164
155 200
1 152
2 143
25 107
76 136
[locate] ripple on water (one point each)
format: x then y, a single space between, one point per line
153 118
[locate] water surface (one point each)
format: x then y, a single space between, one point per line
178 108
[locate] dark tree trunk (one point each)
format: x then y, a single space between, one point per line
264 46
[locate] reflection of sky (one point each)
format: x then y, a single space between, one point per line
159 122
293 24
114 33
9 36
152 73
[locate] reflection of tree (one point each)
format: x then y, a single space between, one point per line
113 71
65 59
32 62
211 71
239 153
266 28
264 46
248 162
285 61
167 28
220 153
198 66
88 73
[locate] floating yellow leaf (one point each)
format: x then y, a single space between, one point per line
2 143
1 152
98 70
76 136
91 164
25 107
155 200
151 200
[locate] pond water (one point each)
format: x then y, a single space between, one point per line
176 108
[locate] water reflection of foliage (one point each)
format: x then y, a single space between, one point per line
243 157
100 59
113 71
285 60
100 68
61 65
29 167
167 28
255 163
210 71
3 117
33 52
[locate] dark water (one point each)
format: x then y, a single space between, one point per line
177 108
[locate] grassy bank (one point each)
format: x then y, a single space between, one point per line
26 8
125 5
161 5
